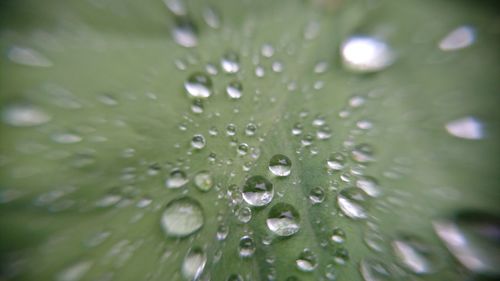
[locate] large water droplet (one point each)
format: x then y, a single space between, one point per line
352 202
364 54
203 180
283 219
414 254
465 128
176 179
306 261
473 237
280 165
198 85
24 115
182 217
258 191
369 185
459 38
246 246
194 263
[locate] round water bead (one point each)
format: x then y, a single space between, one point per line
246 246
176 179
306 261
182 217
258 191
198 85
280 165
234 90
317 195
230 62
194 263
336 161
362 153
352 202
198 142
364 54
203 180
414 254
283 219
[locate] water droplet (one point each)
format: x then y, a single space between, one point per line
280 165
182 217
306 261
222 232
307 140
324 133
369 185
336 161
277 66
231 129
297 129
230 62
74 272
317 195
198 85
267 50
177 7
283 219
197 106
194 263
465 128
258 191
203 181
250 129
176 179
373 270
246 246
362 153
321 67
459 38
414 254
185 33
234 90
341 256
66 138
198 142
212 17
363 54
24 115
27 56
338 235
473 239
352 202
244 214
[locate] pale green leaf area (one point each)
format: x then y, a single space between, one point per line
123 51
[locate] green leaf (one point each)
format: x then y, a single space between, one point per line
95 118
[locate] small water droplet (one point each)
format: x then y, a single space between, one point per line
197 106
212 17
234 90
297 129
230 62
373 270
258 191
280 165
74 272
198 85
369 185
182 217
244 214
267 50
66 138
28 56
250 129
176 179
185 32
459 38
222 232
198 142
317 195
338 235
231 129
306 261
194 263
414 254
246 247
362 153
203 181
321 67
283 219
341 256
352 202
336 161
243 149
465 128
24 115
362 54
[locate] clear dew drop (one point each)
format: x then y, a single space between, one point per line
414 254
465 128
197 106
234 90
185 33
198 142
306 261
362 153
338 235
198 85
222 232
250 129
203 181
267 50
230 62
459 38
243 149
283 219
182 217
473 238
297 129
246 247
352 202
280 165
336 161
176 179
258 191
369 185
317 195
341 256
27 56
244 214
373 270
364 54
193 264
231 129
24 115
